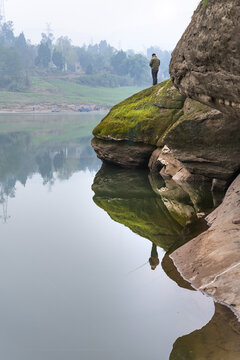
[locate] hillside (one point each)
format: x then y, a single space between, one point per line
57 94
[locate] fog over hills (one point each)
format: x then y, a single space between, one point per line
126 24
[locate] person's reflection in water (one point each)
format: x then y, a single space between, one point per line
154 260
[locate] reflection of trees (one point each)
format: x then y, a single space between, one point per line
58 160
45 167
19 159
7 190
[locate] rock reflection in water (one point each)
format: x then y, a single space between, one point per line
162 212
128 198
218 340
169 214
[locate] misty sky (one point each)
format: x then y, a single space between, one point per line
134 24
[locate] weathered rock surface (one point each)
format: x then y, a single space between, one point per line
211 261
123 153
143 117
218 340
186 203
205 65
202 144
129 133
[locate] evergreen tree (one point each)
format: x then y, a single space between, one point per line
44 56
7 38
119 63
58 59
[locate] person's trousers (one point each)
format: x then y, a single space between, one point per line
154 76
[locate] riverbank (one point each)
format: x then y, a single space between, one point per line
46 108
58 95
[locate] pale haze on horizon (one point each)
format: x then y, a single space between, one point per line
126 24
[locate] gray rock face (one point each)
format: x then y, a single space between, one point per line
202 145
123 153
205 64
211 261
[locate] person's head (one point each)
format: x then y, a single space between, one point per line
154 54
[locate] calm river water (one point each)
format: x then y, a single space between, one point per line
75 276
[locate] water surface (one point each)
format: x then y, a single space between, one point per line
75 282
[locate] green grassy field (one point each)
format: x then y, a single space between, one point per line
59 91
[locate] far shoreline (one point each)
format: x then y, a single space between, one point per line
54 109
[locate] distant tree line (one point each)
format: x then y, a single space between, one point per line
95 65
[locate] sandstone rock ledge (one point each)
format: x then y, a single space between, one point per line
211 261
129 133
189 140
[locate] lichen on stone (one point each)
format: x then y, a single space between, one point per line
204 4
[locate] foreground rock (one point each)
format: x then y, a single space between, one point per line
211 261
205 64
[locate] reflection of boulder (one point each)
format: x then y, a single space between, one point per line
185 202
128 198
172 272
218 340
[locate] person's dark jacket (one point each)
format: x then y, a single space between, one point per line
154 63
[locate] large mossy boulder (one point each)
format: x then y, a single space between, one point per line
180 137
143 117
129 133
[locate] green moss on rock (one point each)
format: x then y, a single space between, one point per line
143 117
191 111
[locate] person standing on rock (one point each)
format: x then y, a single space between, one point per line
154 64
